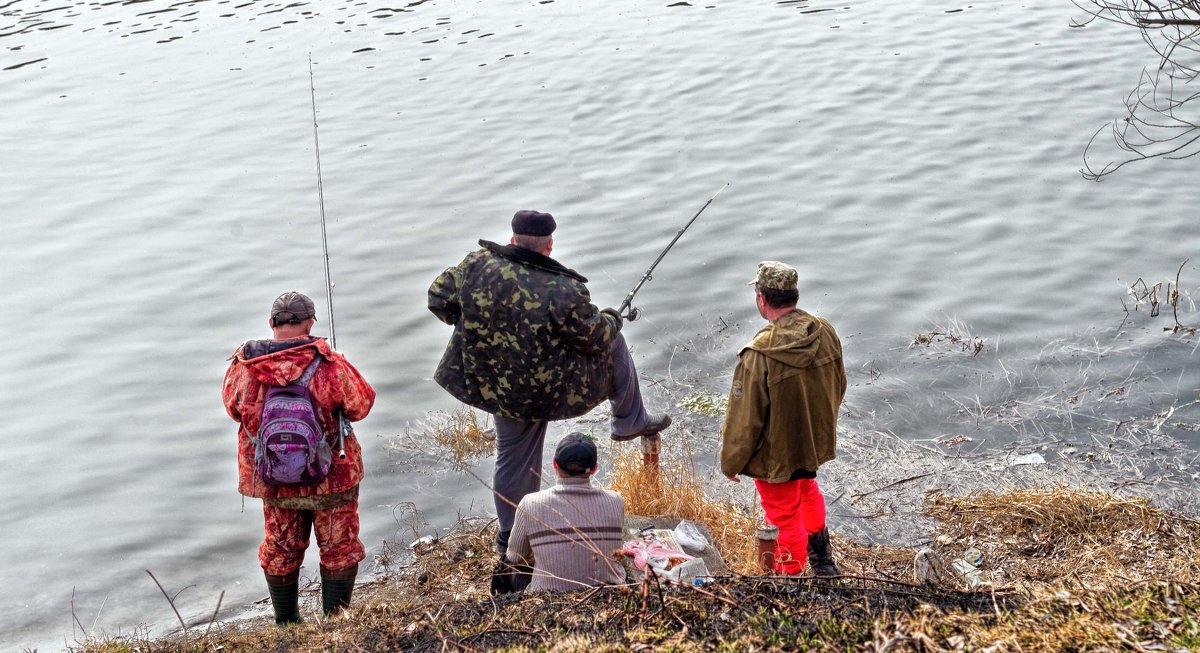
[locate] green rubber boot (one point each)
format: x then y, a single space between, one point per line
285 597
336 588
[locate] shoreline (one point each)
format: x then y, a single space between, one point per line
887 498
1052 581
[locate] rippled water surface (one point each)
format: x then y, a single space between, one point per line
918 162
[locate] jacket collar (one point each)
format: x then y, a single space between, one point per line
258 348
531 258
575 481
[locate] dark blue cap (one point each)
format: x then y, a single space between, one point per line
576 453
533 223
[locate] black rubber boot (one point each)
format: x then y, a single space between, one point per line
285 597
820 558
336 589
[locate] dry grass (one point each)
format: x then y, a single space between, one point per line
1146 602
954 332
1037 538
457 434
676 491
454 567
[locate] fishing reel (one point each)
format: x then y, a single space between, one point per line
632 314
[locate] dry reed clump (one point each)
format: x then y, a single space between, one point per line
460 434
1039 537
452 567
867 560
955 332
676 491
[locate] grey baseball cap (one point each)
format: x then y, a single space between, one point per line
292 308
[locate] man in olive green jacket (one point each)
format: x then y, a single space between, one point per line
782 419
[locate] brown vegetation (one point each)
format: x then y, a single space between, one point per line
1065 570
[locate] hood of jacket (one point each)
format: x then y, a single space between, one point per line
797 339
279 362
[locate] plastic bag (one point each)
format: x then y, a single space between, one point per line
688 535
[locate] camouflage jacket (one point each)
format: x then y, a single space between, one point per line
258 364
528 343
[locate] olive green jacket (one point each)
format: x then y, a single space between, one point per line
783 406
527 342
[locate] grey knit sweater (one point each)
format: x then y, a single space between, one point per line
568 533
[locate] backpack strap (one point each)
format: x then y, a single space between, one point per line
309 372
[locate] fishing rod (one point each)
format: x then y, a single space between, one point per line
343 423
634 313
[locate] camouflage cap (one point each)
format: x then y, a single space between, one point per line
576 453
292 308
775 275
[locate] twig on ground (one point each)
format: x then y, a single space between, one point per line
171 602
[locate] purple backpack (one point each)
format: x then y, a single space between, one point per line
291 449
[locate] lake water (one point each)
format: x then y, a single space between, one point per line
918 163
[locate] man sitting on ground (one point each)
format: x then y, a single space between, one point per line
568 533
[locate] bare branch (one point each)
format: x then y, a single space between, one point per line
1156 123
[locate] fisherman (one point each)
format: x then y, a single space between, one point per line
566 534
291 512
530 347
781 424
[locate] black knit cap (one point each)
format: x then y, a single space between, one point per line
533 223
576 453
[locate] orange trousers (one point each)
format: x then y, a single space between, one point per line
288 532
796 508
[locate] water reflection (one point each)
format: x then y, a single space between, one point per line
19 22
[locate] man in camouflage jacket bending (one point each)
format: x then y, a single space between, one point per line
529 347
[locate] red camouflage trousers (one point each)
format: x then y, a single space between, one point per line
288 531
796 508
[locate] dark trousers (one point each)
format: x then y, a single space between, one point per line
519 442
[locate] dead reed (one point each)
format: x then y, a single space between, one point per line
458 435
1058 537
953 332
1143 293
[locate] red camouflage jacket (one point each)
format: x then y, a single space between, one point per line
258 364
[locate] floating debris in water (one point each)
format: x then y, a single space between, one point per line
706 403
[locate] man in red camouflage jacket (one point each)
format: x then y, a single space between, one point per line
291 513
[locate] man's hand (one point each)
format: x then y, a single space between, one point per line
615 315
735 479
